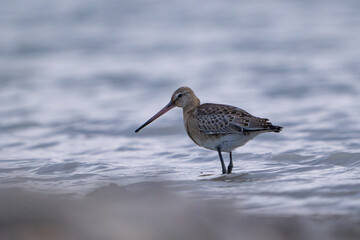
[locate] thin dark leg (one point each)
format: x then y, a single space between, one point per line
230 167
222 161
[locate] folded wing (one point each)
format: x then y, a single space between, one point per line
225 119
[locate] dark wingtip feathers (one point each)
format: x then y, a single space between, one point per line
275 128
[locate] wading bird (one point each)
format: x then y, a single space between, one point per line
217 127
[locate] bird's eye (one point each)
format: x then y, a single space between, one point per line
180 95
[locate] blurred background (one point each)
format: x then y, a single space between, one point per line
78 77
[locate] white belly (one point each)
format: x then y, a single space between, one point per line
228 142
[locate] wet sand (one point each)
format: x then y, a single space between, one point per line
153 212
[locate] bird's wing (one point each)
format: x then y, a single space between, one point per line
224 119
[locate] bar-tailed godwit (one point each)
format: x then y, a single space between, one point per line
217 127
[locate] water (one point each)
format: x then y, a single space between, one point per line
77 78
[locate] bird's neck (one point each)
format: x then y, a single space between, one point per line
190 106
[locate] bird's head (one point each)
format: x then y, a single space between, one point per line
183 97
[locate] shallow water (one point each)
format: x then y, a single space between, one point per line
78 78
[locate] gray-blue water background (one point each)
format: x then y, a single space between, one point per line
78 77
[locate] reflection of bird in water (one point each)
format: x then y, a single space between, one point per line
215 126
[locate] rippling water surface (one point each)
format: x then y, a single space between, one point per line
77 78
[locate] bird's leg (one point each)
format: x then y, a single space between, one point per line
222 161
230 167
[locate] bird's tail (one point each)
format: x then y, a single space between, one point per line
275 128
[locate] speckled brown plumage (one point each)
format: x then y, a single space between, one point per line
225 119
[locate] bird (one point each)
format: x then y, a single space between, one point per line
217 127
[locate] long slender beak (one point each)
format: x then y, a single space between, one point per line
161 112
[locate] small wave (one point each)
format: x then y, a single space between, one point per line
289 157
18 126
44 145
59 168
234 177
344 159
